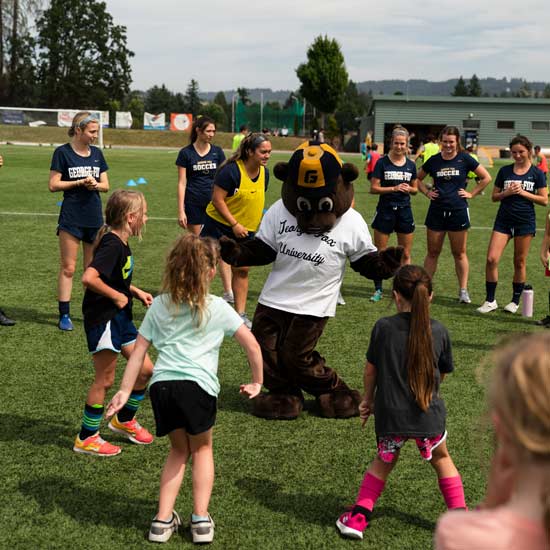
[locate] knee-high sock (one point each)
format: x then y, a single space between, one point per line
371 488
453 492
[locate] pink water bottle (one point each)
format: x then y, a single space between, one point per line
527 300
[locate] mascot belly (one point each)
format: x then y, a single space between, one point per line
308 235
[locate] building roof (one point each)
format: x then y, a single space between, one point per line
463 99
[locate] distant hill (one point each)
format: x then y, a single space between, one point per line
490 86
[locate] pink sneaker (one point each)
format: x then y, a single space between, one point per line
352 524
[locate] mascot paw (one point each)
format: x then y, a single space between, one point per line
229 250
277 406
339 404
391 257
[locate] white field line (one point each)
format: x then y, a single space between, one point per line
161 219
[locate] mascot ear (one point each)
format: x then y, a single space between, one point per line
349 172
281 170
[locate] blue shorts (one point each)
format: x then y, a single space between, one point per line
515 229
195 212
85 234
216 230
393 218
439 219
113 335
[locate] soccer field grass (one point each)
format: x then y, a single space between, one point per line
278 484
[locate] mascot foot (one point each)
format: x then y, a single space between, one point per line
339 404
277 406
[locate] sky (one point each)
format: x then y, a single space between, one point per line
254 44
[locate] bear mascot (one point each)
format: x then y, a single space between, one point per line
308 235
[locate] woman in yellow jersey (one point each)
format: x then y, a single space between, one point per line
238 202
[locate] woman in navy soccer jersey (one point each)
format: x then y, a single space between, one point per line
448 212
197 165
80 171
394 179
518 187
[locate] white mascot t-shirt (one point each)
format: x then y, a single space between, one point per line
308 271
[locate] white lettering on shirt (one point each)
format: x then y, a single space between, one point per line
76 172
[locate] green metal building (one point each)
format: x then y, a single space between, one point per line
485 121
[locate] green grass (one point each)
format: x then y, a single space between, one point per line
278 484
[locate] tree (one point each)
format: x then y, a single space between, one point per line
136 107
220 100
192 100
216 113
474 87
546 91
324 76
158 100
461 89
83 60
244 96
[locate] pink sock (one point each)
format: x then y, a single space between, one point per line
371 488
453 492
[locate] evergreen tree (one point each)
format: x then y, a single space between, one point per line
324 76
158 100
244 96
461 89
192 100
474 87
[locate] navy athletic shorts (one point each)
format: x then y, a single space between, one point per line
85 234
113 335
393 218
438 219
514 228
216 230
195 212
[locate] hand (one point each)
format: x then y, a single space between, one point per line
514 189
464 194
90 183
545 258
121 300
229 250
366 408
117 402
240 231
432 194
252 390
145 298
182 220
403 188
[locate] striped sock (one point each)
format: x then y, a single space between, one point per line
90 421
129 410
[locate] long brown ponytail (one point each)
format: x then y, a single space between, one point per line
414 284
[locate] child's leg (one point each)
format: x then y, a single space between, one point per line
450 482
374 481
172 473
203 471
104 365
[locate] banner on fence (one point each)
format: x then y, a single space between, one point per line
123 119
65 118
154 122
180 122
12 117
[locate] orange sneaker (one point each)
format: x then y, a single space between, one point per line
95 445
132 430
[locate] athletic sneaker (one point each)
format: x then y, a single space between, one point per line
340 300
464 297
487 307
95 445
352 524
5 321
132 430
202 531
161 531
512 307
544 322
65 322
228 297
377 296
247 321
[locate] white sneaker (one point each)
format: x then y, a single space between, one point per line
161 531
246 320
487 307
464 297
202 531
512 307
228 297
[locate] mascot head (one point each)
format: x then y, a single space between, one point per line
317 187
